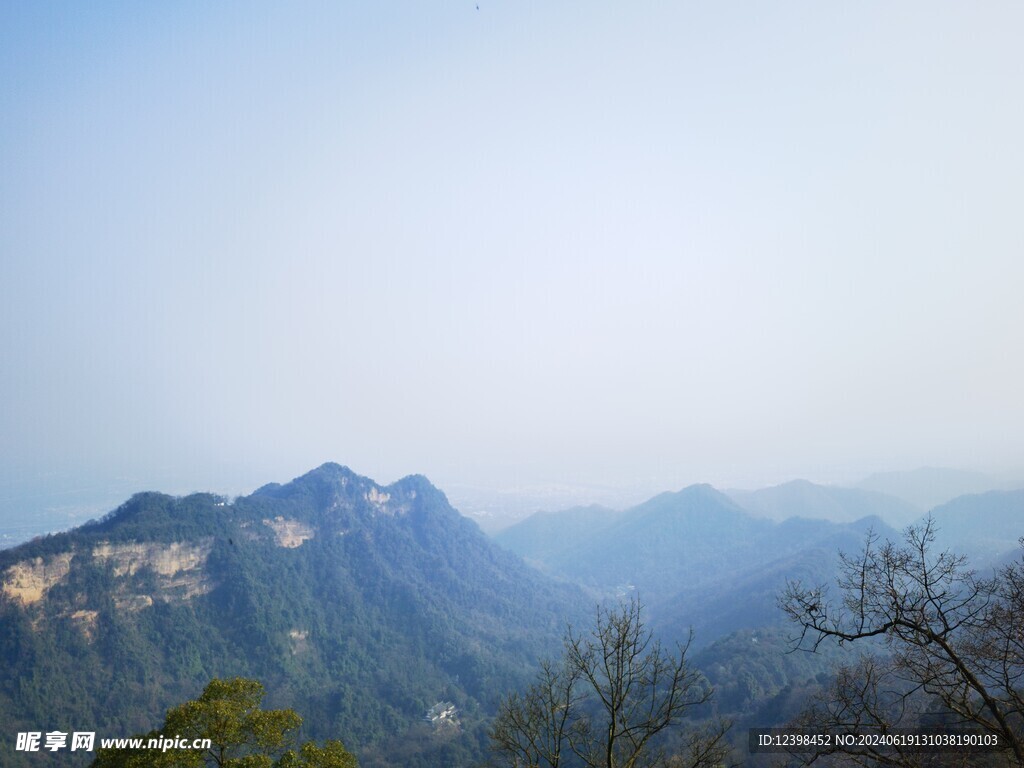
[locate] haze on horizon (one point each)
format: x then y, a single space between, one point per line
626 245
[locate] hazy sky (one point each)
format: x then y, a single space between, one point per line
629 242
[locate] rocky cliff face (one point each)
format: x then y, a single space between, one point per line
178 570
28 580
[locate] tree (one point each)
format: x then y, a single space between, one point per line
532 728
228 713
605 703
331 755
239 734
954 640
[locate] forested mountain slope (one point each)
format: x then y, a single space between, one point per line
358 605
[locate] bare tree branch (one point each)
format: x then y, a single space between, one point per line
953 637
615 692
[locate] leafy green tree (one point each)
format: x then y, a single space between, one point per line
240 735
331 755
228 713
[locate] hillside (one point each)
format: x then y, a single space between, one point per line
984 526
800 498
667 538
360 606
929 487
543 536
695 557
743 595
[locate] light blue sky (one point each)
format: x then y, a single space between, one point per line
634 243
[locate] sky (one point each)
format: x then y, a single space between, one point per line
507 243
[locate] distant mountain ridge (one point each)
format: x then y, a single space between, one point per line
929 487
984 526
359 605
713 562
695 556
636 546
800 498
543 536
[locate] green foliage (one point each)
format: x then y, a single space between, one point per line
228 714
331 755
241 735
750 667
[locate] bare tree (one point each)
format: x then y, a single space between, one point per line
615 690
953 638
531 729
870 695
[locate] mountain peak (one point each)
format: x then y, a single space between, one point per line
324 483
330 471
693 500
332 478
417 486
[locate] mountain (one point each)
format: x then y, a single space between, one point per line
800 498
928 487
986 526
496 508
543 535
695 557
358 605
670 537
745 594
